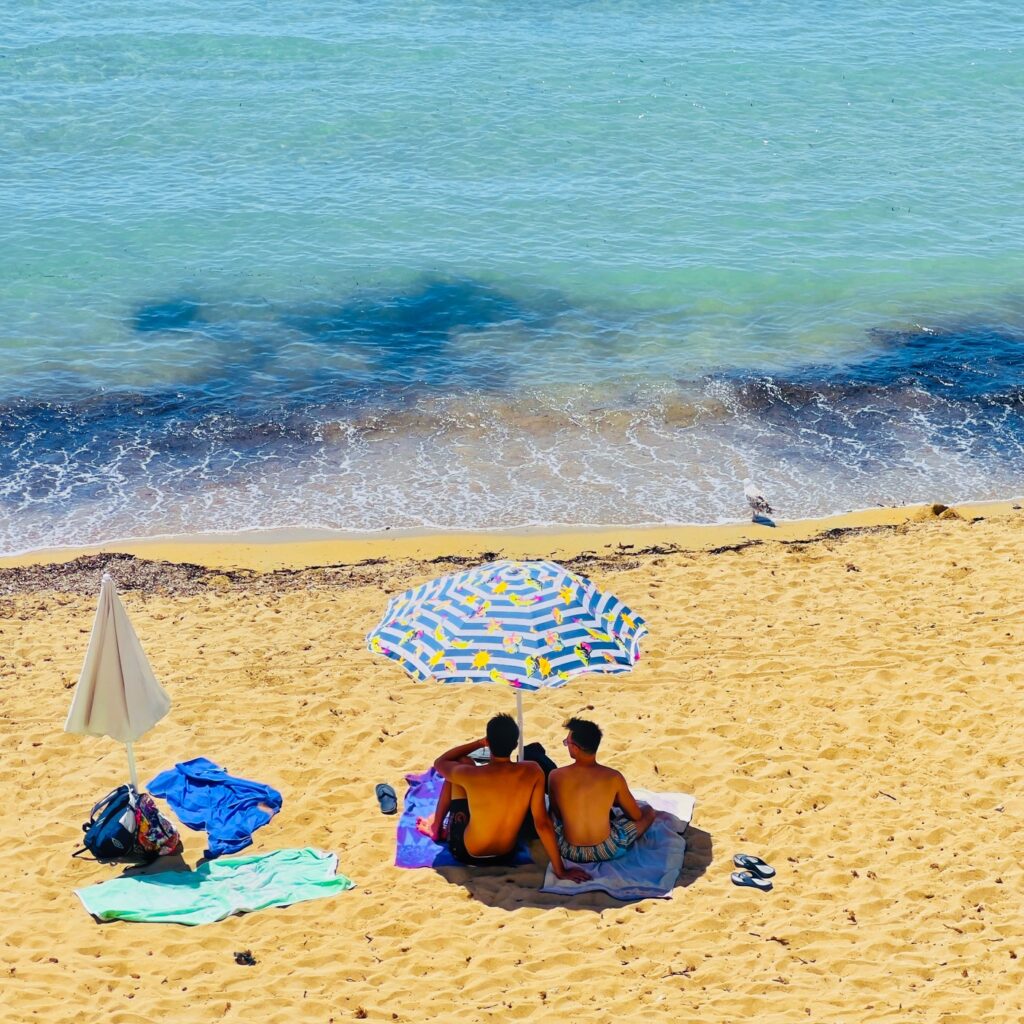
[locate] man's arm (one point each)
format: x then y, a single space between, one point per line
643 816
554 811
546 833
450 762
625 799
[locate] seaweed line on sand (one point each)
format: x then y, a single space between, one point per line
183 579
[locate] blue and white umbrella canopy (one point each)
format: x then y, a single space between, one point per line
525 624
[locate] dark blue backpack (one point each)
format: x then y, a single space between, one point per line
110 830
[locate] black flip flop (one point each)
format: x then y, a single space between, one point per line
387 798
745 878
756 866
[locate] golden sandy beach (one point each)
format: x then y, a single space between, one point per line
846 704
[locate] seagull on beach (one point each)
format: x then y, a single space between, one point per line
756 500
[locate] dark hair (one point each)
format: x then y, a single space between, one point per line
502 735
586 735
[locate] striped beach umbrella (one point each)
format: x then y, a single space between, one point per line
523 624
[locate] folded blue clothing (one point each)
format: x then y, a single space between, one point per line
205 797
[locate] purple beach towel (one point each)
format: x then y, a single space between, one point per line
415 850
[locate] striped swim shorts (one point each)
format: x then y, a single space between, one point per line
620 839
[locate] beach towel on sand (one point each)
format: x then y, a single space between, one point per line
415 850
204 796
650 867
217 889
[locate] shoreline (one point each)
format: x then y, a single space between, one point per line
301 548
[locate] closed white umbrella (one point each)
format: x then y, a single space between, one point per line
117 694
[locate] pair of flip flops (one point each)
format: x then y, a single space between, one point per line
387 798
754 873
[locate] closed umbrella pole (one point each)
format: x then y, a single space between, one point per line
133 774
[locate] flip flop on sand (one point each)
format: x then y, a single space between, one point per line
745 878
756 866
387 798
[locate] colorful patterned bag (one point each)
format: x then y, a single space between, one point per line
155 835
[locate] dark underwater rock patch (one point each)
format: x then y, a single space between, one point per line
173 314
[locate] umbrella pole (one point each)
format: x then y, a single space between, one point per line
519 721
132 773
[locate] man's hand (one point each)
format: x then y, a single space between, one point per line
430 828
573 874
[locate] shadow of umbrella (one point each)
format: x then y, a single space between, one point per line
700 853
514 888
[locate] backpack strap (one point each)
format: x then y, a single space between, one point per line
100 804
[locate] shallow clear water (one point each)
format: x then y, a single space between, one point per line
460 265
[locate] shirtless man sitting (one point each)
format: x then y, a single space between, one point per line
488 803
583 796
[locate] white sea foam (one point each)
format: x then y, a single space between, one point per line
480 462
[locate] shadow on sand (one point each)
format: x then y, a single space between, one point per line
512 888
172 862
506 888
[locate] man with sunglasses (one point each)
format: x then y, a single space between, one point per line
595 815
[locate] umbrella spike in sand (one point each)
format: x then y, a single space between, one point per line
117 693
529 625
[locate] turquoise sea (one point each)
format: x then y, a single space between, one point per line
368 265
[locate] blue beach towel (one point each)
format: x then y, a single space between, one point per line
205 797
